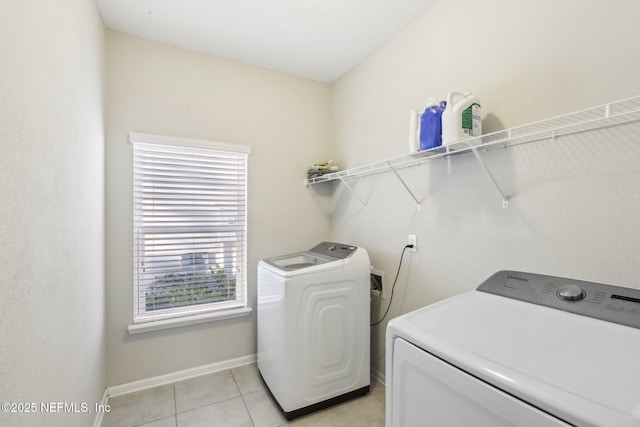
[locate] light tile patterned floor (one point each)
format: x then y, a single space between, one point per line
230 398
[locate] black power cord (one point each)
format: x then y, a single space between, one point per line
393 286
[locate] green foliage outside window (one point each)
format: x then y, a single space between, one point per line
191 287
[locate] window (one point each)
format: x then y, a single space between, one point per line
190 226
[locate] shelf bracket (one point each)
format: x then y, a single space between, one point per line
351 190
404 184
505 199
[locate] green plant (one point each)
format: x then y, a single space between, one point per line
191 287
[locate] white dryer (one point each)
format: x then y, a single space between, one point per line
521 350
313 326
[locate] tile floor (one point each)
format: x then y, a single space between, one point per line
235 397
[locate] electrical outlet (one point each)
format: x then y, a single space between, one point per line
413 240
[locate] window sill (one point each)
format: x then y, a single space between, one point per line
158 325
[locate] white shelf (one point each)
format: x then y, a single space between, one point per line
607 115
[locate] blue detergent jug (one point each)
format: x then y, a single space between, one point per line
431 125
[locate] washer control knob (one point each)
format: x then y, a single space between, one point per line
570 292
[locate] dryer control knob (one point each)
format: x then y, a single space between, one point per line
571 292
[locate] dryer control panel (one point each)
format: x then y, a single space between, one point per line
336 250
605 302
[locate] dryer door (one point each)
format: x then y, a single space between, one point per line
428 391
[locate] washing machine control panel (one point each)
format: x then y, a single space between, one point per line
335 250
605 302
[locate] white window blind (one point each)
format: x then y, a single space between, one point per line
190 226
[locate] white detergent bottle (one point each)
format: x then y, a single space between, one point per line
414 125
462 118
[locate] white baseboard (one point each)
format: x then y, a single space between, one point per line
103 403
379 376
178 376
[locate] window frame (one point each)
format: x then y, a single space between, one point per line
194 313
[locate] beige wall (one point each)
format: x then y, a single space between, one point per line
574 202
52 208
156 88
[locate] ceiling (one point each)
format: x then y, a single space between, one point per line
316 39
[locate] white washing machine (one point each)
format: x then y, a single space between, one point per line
313 326
521 350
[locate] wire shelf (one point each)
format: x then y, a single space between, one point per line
603 116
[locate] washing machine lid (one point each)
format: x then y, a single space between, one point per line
322 257
299 260
581 369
